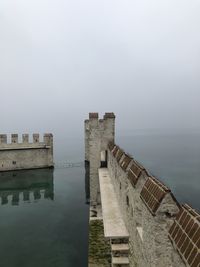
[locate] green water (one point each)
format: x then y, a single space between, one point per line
43 218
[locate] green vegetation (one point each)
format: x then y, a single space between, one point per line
99 248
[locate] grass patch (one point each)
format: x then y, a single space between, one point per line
99 248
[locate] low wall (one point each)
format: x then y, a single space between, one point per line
26 155
162 232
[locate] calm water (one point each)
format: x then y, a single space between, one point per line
172 157
43 213
43 218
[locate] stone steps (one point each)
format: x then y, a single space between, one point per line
120 247
120 261
120 252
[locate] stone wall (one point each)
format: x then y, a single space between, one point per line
98 133
26 155
162 232
150 211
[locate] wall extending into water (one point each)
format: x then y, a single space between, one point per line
149 211
26 155
162 232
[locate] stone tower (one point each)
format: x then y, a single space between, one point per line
98 133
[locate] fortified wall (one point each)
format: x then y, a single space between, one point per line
142 219
26 155
98 134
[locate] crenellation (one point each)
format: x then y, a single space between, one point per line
36 138
125 162
148 247
153 193
109 115
25 138
159 233
185 235
3 138
48 138
26 155
93 120
14 138
115 150
169 206
134 173
123 159
119 154
93 115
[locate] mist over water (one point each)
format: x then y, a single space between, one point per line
171 156
69 149
60 60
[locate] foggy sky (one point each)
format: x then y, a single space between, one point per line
60 59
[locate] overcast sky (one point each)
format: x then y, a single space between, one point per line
60 59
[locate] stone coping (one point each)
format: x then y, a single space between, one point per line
114 226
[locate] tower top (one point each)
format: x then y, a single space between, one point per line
107 115
93 115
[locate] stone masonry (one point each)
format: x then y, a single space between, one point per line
26 155
162 232
98 133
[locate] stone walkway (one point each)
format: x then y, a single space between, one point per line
114 226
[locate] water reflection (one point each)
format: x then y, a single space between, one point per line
26 186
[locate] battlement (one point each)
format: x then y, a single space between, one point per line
109 115
161 231
148 208
99 124
152 194
93 115
46 139
16 155
185 235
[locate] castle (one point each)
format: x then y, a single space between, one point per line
144 224
142 220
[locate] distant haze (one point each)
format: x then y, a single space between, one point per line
61 59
